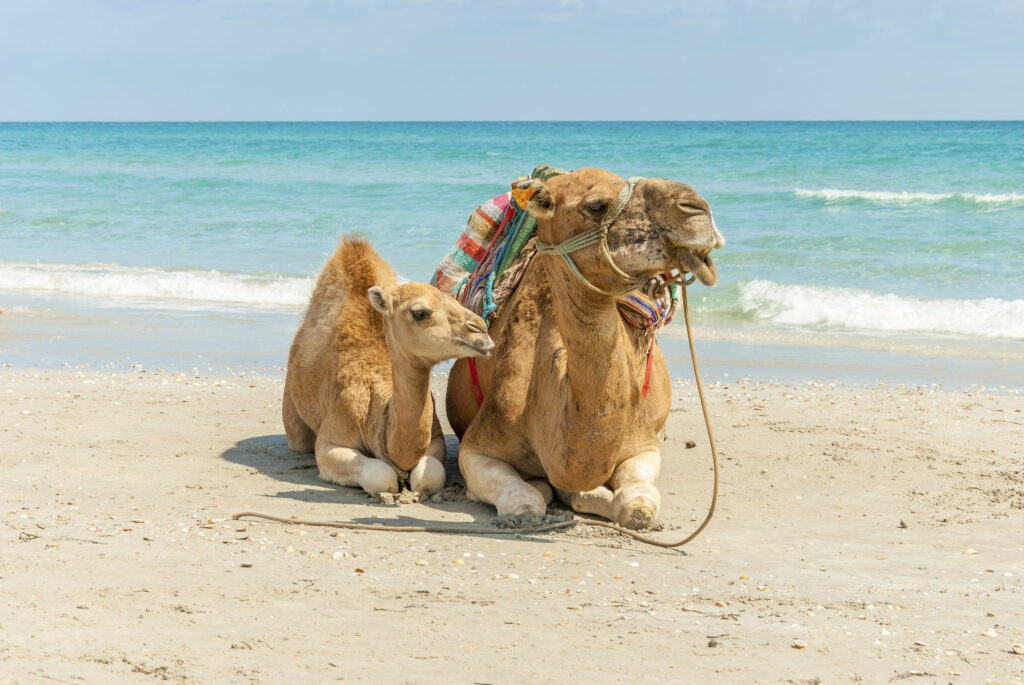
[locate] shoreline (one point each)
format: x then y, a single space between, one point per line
119 489
224 375
118 337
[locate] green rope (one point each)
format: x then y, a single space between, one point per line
593 236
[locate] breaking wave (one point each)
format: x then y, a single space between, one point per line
891 197
852 309
155 284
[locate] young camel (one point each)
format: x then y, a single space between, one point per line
357 392
563 391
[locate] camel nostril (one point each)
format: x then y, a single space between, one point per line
688 208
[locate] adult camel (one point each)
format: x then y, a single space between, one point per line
563 390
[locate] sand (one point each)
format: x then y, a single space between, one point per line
863 535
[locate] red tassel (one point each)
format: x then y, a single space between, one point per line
647 373
476 381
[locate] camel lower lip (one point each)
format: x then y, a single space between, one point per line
700 266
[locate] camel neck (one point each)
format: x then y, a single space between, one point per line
597 363
410 410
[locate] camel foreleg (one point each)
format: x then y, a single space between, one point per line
351 468
637 500
497 482
630 498
427 477
599 501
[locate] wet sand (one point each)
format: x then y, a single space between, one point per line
863 535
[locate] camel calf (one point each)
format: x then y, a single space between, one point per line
357 392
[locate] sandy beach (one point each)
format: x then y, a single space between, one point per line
838 185
864 534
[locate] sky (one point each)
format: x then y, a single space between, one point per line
370 60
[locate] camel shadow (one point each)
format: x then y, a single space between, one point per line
271 456
476 528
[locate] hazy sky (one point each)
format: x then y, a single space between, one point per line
477 59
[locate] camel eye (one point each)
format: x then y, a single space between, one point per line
597 206
420 314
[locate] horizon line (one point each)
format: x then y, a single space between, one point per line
499 121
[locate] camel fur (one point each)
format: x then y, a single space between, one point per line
562 390
357 390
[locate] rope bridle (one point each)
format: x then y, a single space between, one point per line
597 235
653 287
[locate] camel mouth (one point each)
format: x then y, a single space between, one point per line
479 348
700 265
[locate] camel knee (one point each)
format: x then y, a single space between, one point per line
497 482
427 477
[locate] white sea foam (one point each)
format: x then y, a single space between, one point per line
892 197
157 285
847 308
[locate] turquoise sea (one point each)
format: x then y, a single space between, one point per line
857 251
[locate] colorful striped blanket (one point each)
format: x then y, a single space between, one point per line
491 255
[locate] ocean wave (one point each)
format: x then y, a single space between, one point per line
154 284
852 309
892 197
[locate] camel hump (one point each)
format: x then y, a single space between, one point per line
357 266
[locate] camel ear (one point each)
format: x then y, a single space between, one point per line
380 299
534 196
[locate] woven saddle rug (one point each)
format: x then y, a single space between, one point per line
490 257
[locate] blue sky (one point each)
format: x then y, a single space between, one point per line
462 59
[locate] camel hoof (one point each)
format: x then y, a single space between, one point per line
520 500
637 517
378 477
427 477
639 507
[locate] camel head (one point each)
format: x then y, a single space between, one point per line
664 225
428 325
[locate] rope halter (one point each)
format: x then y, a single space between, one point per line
597 235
